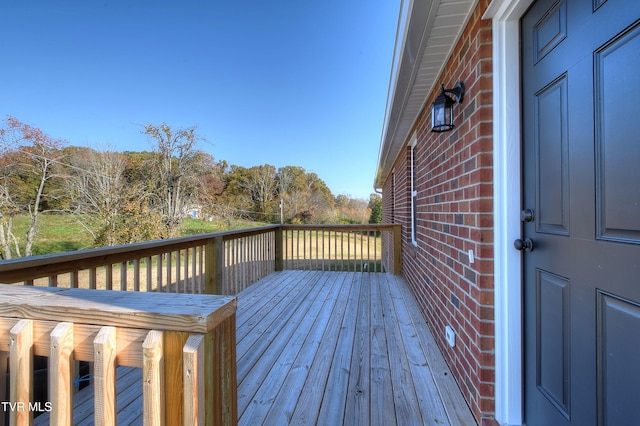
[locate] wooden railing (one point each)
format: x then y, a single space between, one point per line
216 263
168 336
349 248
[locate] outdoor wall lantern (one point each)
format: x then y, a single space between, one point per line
442 108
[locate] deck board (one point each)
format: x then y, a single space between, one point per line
325 348
307 407
273 350
281 410
360 353
357 407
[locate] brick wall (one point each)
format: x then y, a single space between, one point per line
455 216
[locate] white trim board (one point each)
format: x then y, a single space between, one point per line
509 393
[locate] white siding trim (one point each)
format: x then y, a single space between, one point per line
509 394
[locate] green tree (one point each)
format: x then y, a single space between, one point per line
175 164
261 184
375 205
305 197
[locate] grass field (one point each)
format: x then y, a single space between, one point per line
63 232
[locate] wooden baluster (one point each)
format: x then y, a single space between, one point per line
61 374
397 250
368 251
361 250
92 278
185 283
280 248
169 272
230 264
136 275
341 251
104 348
21 370
201 274
349 235
304 249
4 359
178 271
173 398
193 373
109 277
159 280
149 280
73 279
214 258
377 235
153 379
123 276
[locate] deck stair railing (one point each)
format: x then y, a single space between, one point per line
169 337
215 263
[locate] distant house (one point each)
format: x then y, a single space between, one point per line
194 212
521 226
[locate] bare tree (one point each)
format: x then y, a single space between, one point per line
8 210
35 154
101 194
285 179
176 166
262 184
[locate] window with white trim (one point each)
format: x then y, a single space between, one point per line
414 191
393 197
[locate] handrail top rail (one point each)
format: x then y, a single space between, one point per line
58 262
342 226
148 311
34 267
174 243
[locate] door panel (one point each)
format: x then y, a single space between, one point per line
581 176
552 149
616 68
552 345
618 326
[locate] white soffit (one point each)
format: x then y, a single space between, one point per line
425 38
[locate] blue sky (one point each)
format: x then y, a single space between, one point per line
287 82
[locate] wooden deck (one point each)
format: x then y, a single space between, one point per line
332 348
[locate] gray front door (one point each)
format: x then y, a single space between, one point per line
581 186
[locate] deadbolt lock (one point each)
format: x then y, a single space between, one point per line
526 215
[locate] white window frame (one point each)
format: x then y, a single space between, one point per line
393 197
414 192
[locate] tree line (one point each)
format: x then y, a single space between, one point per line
126 197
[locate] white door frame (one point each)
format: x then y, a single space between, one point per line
507 187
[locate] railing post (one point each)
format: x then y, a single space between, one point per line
60 374
214 266
21 370
4 360
173 345
397 249
153 383
279 249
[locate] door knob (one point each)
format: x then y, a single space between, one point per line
526 245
